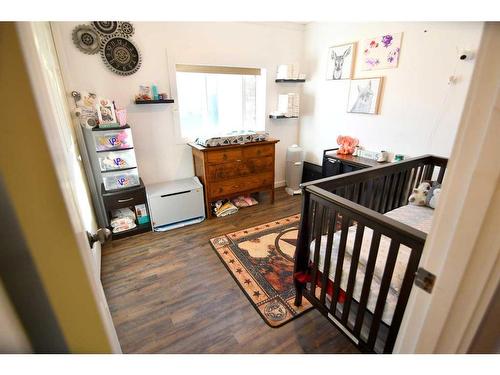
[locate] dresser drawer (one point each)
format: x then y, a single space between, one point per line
224 156
258 151
242 168
125 199
230 187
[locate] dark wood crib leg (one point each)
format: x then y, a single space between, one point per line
298 294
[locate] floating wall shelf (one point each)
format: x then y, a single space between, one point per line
289 80
281 116
154 101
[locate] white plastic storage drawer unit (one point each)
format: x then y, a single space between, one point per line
176 203
116 160
116 139
120 179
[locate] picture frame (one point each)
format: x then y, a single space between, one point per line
340 62
364 95
106 112
381 52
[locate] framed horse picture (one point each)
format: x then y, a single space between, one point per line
364 95
340 63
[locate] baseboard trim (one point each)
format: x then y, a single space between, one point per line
278 184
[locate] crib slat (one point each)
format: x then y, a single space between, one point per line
399 188
360 229
442 169
407 187
372 192
340 263
429 171
332 219
392 192
348 192
311 213
384 289
380 193
387 188
404 294
356 193
370 266
376 193
413 178
318 226
419 175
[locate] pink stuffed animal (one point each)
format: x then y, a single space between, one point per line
347 144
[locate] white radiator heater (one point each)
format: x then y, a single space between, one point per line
175 204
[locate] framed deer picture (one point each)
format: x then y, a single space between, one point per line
364 95
340 63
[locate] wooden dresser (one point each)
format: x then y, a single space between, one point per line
229 171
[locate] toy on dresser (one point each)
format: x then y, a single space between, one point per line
347 144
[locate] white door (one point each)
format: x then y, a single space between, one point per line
463 246
46 80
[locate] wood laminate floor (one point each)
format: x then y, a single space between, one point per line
169 293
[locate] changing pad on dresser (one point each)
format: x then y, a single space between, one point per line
233 138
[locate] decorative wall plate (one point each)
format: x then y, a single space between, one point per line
86 39
126 29
105 27
121 56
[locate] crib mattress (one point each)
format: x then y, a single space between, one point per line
419 217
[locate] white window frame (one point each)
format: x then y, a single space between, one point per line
260 94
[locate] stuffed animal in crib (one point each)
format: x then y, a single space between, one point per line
419 195
347 144
435 198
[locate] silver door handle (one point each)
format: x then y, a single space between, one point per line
125 200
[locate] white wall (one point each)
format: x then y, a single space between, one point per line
419 111
160 155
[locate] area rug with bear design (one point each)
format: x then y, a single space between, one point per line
260 259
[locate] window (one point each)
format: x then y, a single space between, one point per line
217 100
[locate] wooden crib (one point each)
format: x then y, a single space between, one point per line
354 204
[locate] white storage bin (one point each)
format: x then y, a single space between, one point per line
120 179
115 160
113 139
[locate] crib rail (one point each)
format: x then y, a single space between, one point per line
360 198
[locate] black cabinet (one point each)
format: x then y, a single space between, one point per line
311 172
126 198
334 164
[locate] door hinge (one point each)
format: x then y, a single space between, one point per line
425 280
